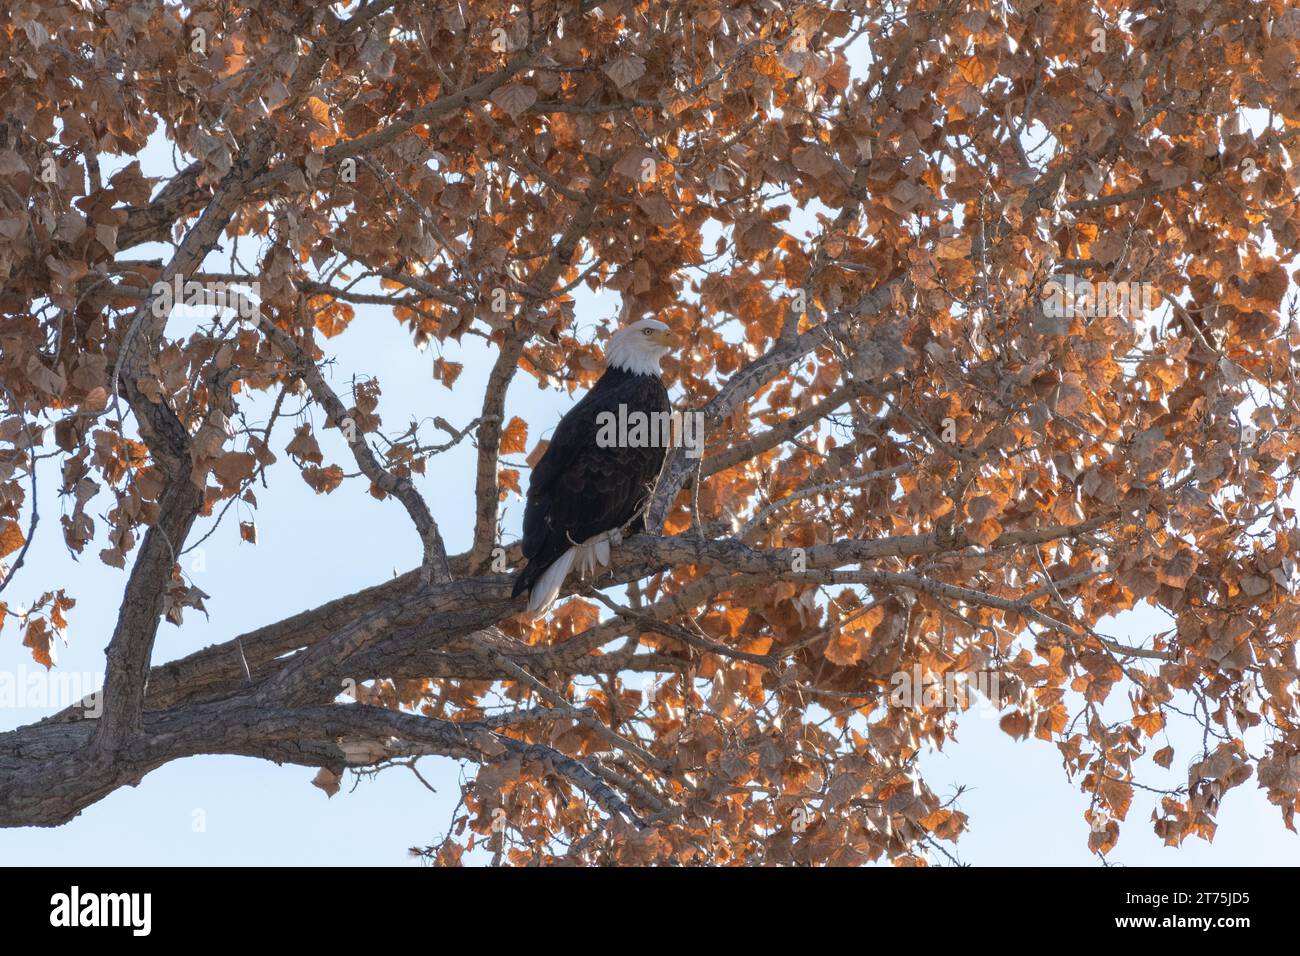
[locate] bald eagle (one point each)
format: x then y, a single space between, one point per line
594 478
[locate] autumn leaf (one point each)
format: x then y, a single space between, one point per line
233 469
536 454
327 780
813 160
625 69
1015 724
845 648
323 480
515 98
304 446
11 537
514 438
40 641
508 481
1178 569
447 372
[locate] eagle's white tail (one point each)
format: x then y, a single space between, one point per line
591 554
547 588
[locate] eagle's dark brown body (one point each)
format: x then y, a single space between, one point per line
579 489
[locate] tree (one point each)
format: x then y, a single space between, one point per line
1030 367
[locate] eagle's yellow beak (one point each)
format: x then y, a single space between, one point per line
664 338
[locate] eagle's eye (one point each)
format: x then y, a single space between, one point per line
645 331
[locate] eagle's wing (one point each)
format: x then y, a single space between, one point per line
579 489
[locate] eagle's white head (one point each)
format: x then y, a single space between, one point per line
637 348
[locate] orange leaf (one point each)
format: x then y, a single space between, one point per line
514 440
1015 724
323 480
447 372
845 648
11 537
39 638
